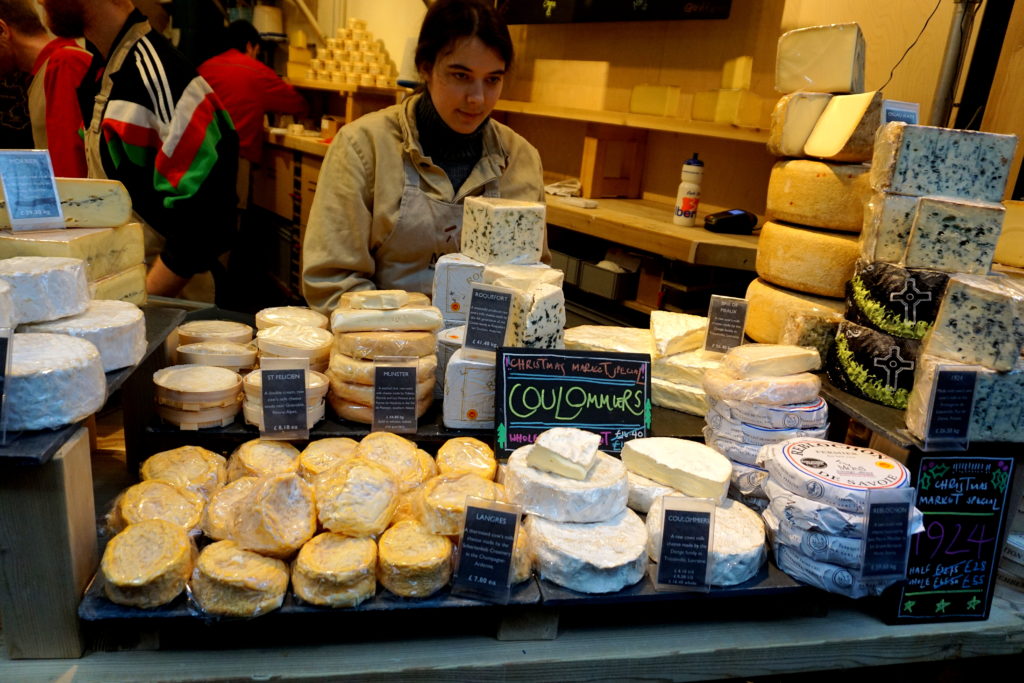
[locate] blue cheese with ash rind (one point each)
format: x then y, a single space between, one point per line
998 413
954 235
454 276
837 474
888 219
980 321
925 160
899 301
874 365
496 230
808 415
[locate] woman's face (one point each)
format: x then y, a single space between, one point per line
465 84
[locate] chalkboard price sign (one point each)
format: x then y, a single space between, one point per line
952 565
605 393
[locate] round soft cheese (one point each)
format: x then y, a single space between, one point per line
356 498
372 345
466 454
157 499
277 517
259 458
810 415
440 504
826 576
737 544
336 571
295 341
290 315
253 412
834 473
602 557
818 546
147 564
643 492
344 368
190 467
198 381
412 562
395 454
224 354
45 287
117 328
323 454
802 387
599 497
231 581
213 330
223 507
54 380
316 385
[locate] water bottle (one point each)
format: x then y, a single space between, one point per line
688 196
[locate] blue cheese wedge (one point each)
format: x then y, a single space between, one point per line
677 332
925 160
567 451
537 317
954 235
687 466
980 321
86 203
496 230
888 219
998 413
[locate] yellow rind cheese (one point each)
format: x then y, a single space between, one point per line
769 307
147 564
810 261
395 454
333 570
233 582
323 454
222 509
412 562
356 498
357 412
259 458
157 499
819 194
190 467
371 345
441 502
277 517
466 454
346 369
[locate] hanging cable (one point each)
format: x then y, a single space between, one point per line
907 51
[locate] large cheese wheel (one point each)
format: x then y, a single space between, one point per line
294 341
231 581
346 369
769 307
819 194
117 328
45 287
810 261
382 344
214 330
147 564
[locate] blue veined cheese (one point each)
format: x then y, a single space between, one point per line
532 272
899 301
117 328
537 318
836 474
105 250
816 329
683 368
925 160
468 393
86 203
607 338
7 318
454 275
998 413
980 321
954 235
737 548
681 397
45 287
888 219
496 230
808 415
754 434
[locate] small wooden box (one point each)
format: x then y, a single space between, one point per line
613 161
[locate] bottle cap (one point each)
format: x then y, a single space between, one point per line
692 166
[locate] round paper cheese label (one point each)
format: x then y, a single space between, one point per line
838 464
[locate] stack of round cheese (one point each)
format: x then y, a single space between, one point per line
581 534
252 401
222 354
189 467
296 341
213 330
116 328
290 316
762 394
819 496
197 396
378 326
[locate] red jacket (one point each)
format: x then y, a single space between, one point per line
65 65
248 90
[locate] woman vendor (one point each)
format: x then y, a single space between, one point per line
389 198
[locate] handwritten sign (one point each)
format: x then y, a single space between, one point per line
605 393
952 565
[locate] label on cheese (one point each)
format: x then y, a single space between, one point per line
484 565
488 318
283 397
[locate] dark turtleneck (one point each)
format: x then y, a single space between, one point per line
456 153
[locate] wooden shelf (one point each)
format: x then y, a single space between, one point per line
308 144
644 224
643 121
345 89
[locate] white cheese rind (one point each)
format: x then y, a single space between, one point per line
643 492
411 318
800 388
496 230
602 557
687 466
770 360
834 473
599 497
605 338
925 160
448 342
54 380
454 276
86 203
809 415
468 393
685 368
681 397
677 332
45 288
821 59
530 272
954 235
737 545
567 451
105 250
290 315
116 328
376 299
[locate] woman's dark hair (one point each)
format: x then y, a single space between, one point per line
448 21
240 34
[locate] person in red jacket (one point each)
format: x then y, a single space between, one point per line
57 66
248 89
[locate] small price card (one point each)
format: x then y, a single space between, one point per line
887 533
30 190
687 529
284 398
727 320
484 564
394 395
949 417
487 319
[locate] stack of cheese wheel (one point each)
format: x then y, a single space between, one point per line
240 358
379 326
290 315
116 328
198 331
581 534
97 214
815 206
922 291
817 514
197 396
352 58
296 341
252 401
674 342
762 394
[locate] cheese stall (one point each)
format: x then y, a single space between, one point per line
601 445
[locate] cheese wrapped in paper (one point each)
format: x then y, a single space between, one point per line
232 582
147 564
412 562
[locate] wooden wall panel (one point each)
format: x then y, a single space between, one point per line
1005 110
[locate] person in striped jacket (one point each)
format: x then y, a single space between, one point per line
155 125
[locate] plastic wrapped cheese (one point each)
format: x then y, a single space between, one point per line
294 341
356 498
190 467
468 393
440 503
117 328
684 368
601 496
737 547
277 517
412 317
382 299
147 564
371 344
259 458
827 58
615 339
290 315
395 454
220 512
233 582
157 499
53 380
45 288
466 454
756 435
333 570
323 454
810 415
600 557
799 388
351 370
412 562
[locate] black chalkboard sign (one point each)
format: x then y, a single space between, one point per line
485 551
684 548
605 393
563 11
952 567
